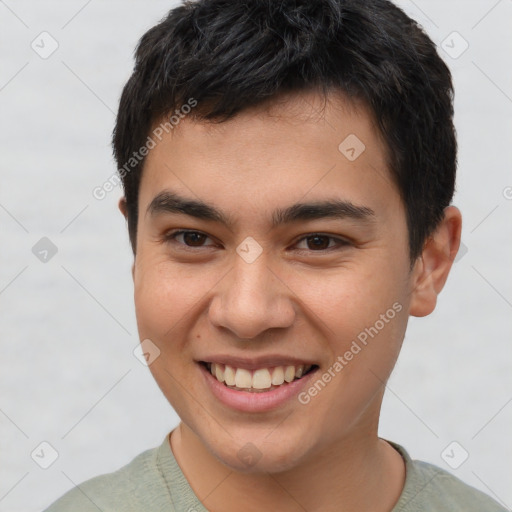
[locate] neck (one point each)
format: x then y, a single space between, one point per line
360 473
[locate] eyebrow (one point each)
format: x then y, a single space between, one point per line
172 203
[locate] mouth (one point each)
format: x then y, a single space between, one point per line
258 380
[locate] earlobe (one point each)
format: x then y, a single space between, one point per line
122 206
433 266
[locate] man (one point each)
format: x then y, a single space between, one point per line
288 169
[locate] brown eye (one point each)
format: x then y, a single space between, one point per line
317 242
193 238
190 238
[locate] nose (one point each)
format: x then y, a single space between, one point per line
252 299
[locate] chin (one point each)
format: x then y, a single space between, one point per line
246 454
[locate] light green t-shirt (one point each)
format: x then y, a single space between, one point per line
153 481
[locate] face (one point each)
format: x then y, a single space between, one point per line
262 288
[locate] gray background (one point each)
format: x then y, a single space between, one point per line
67 326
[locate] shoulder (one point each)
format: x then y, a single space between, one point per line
430 489
136 486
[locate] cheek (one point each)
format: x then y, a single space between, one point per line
160 298
363 315
348 299
169 297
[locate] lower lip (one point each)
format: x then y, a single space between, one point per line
255 401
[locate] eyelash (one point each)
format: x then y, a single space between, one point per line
171 238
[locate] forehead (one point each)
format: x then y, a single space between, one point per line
300 146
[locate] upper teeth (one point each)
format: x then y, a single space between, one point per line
261 378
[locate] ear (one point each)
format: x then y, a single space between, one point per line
433 266
122 206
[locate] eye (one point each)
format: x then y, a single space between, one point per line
317 242
190 238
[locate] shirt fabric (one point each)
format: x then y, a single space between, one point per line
154 482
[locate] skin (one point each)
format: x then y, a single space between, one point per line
294 299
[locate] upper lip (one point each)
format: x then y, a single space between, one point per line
253 363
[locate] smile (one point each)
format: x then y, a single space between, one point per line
258 380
